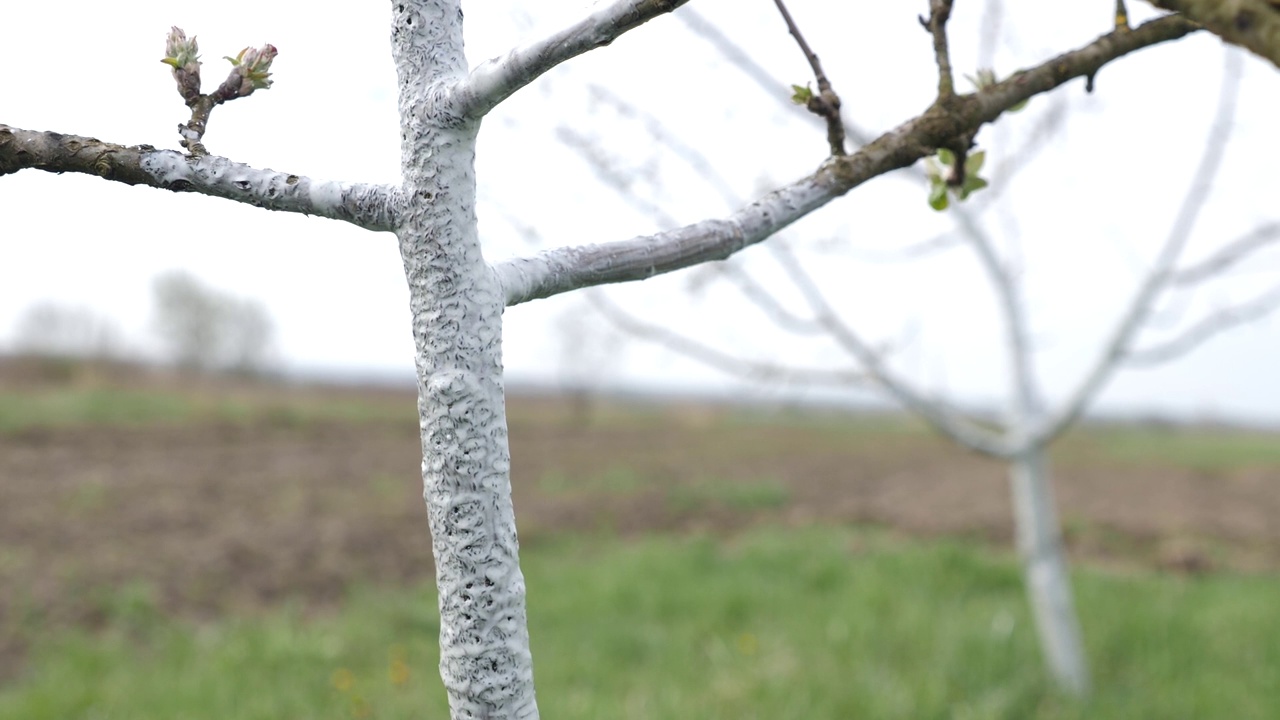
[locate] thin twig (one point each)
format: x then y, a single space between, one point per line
1196 335
1157 280
936 24
826 103
934 411
705 29
919 250
753 370
1229 255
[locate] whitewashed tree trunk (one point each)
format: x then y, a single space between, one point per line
457 306
1045 573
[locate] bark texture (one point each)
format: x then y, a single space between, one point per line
457 307
373 207
1252 24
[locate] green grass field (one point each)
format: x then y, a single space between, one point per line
778 617
774 623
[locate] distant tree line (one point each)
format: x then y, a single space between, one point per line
200 329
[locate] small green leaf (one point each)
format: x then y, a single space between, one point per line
946 157
972 184
802 95
938 196
1019 106
973 163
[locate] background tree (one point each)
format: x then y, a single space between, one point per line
1030 422
205 329
457 298
52 330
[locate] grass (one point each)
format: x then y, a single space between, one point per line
1199 448
812 623
742 495
105 405
102 404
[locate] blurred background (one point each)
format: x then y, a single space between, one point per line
209 492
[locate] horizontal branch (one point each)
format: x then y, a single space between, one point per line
1229 255
495 80
1200 333
373 207
569 268
752 370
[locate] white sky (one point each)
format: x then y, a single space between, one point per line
1084 218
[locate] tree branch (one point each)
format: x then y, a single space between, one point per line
1229 255
936 24
825 104
753 370
934 412
568 268
1196 335
1252 24
1023 381
739 58
373 207
495 80
707 171
1157 279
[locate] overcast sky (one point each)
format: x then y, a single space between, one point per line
1081 221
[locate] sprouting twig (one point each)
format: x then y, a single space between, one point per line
936 24
825 103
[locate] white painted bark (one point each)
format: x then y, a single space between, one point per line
372 207
457 307
1039 534
1044 570
495 80
1036 525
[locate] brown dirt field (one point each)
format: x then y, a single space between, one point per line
220 516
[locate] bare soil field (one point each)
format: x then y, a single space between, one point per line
207 516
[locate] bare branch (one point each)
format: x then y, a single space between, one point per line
1157 279
751 289
1228 255
373 207
753 370
1017 331
1211 326
688 153
570 268
933 411
921 249
495 80
1253 24
826 104
936 24
760 296
739 58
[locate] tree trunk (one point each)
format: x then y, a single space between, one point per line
457 306
1044 569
